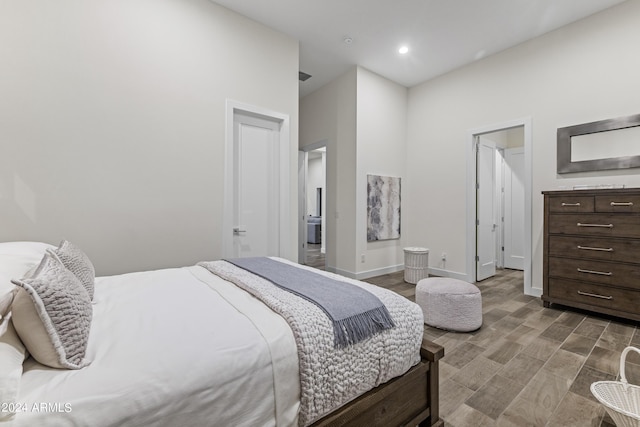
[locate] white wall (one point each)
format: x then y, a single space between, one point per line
112 123
381 149
584 72
329 114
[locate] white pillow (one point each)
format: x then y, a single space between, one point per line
12 354
52 315
16 259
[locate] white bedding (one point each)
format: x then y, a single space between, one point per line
331 376
228 346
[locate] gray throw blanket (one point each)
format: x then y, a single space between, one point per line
355 313
330 376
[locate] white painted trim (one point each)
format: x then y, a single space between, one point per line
393 269
365 274
344 273
471 197
285 168
315 145
379 271
439 272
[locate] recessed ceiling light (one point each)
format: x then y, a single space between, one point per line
347 40
403 50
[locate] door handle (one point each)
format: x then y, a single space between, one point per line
237 231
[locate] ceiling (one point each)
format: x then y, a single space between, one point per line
441 34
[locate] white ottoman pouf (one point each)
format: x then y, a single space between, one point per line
450 304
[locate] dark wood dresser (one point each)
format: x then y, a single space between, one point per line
592 250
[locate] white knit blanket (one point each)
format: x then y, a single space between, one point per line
331 377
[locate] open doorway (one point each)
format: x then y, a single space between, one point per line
312 197
500 213
499 201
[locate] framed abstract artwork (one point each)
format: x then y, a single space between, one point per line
383 208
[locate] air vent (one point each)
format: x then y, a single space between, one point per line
303 77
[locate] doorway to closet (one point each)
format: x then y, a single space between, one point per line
499 200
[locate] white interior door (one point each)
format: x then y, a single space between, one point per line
485 213
256 187
514 209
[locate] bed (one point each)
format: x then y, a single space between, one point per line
190 346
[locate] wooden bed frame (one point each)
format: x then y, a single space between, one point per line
409 400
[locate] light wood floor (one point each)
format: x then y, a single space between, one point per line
527 365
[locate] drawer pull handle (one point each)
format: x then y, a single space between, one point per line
595 225
602 273
621 203
589 248
587 294
571 204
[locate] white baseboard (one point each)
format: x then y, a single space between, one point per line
451 274
366 274
344 273
379 271
535 292
394 268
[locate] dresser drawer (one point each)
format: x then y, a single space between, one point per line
596 248
623 300
607 273
618 203
611 225
571 204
